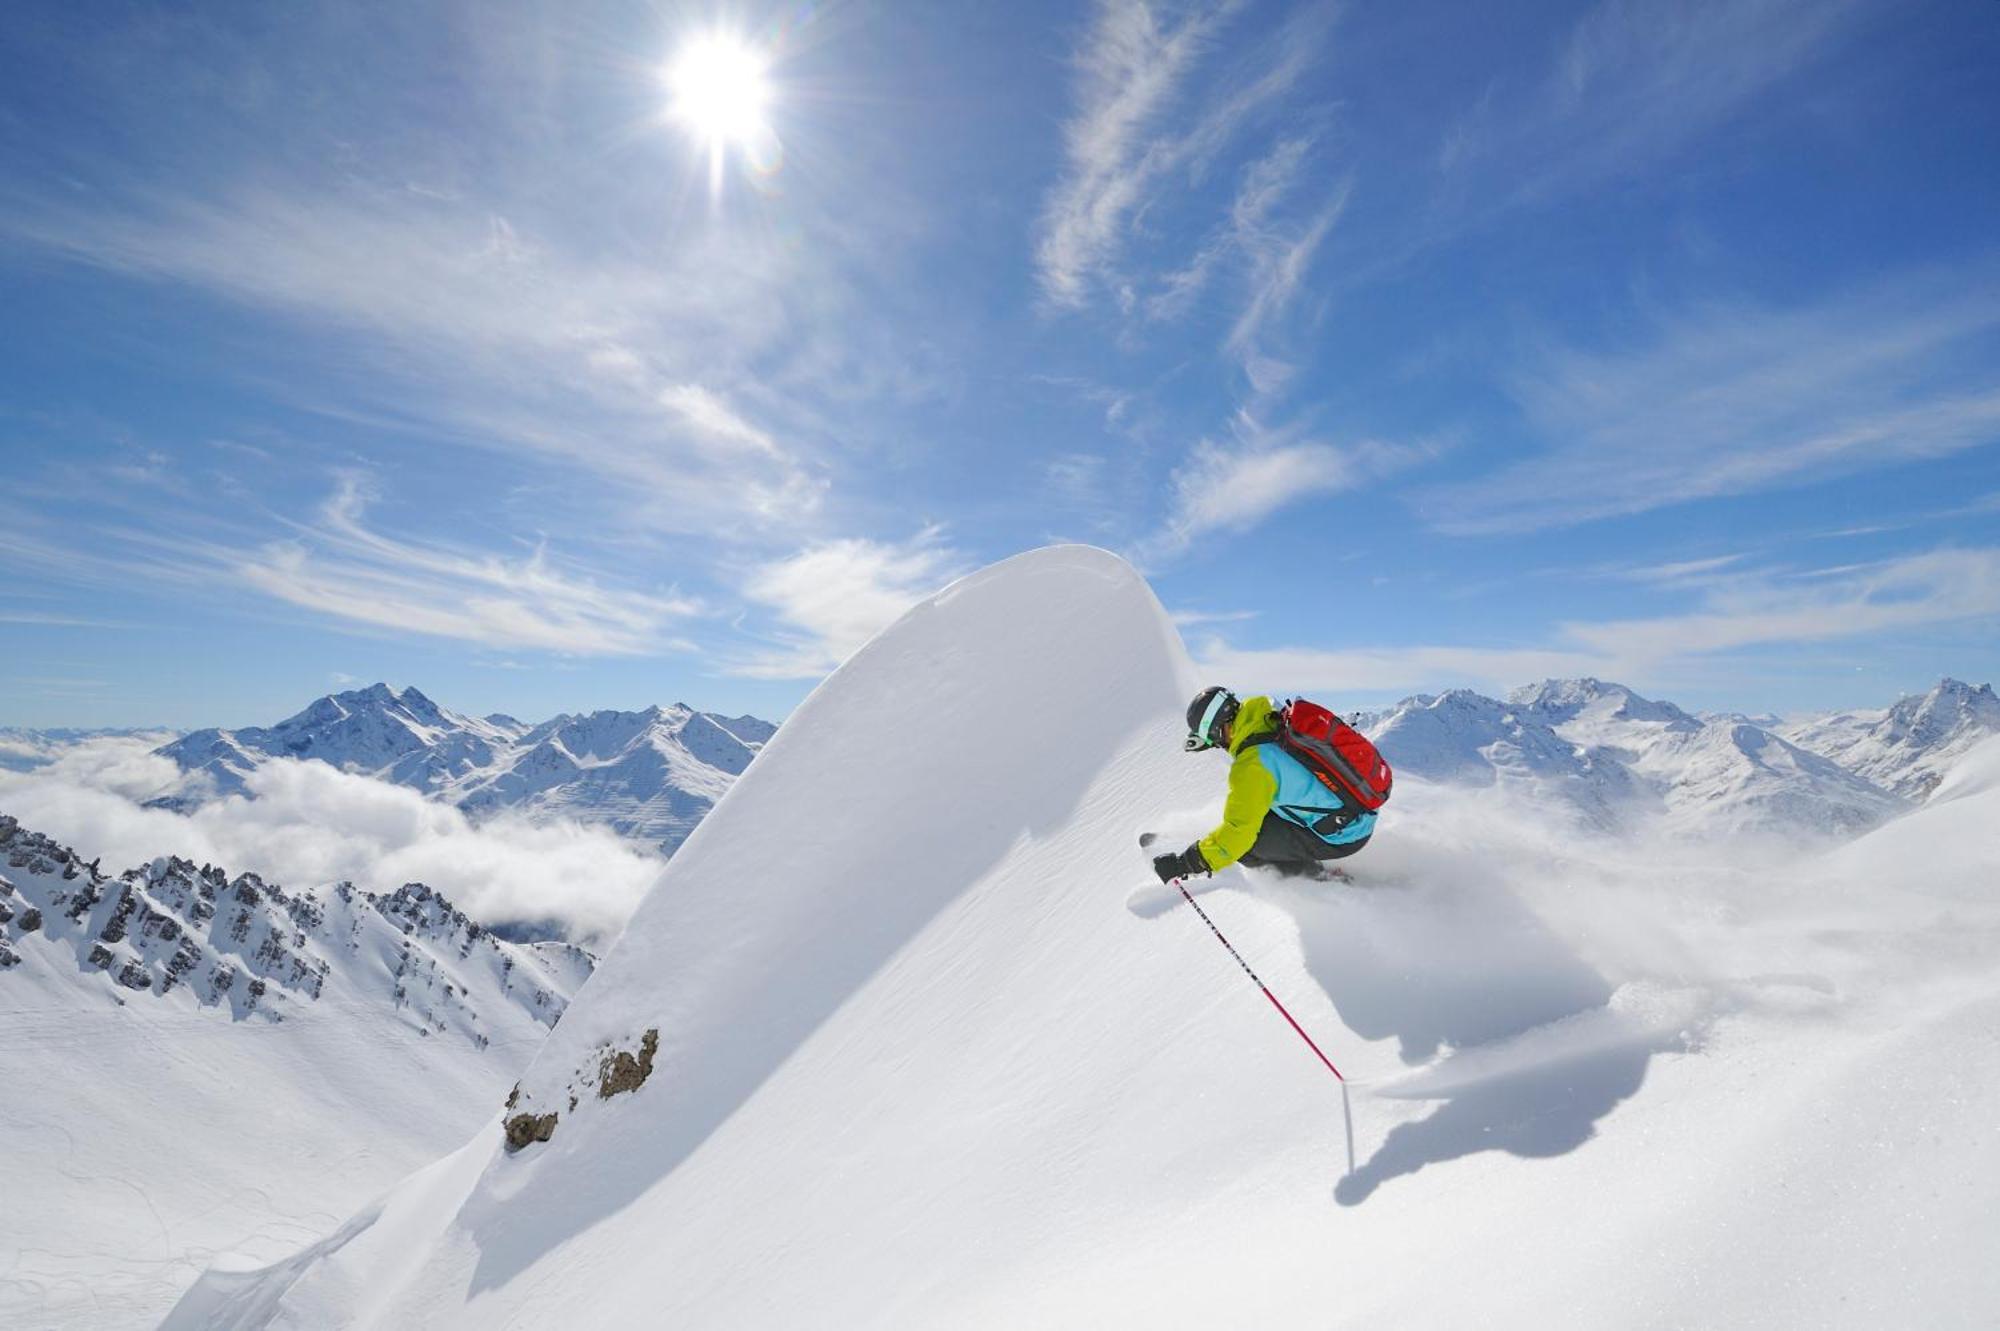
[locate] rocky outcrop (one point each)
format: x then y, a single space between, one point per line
525 1130
621 1071
613 1071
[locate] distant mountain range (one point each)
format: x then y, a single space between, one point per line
1594 748
1612 756
649 775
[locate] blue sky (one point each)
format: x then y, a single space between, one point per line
1404 345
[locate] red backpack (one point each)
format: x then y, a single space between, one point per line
1335 752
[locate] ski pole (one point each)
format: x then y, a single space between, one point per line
1182 885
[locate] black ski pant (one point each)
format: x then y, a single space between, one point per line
1292 850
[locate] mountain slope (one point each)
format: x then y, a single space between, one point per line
650 774
886 1048
1906 748
1621 761
195 1061
1721 776
1464 737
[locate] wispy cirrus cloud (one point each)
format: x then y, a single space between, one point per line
1734 397
1138 129
1145 128
1272 251
1129 70
462 322
1771 609
1391 669
836 595
1633 84
1940 586
338 566
1233 486
1264 185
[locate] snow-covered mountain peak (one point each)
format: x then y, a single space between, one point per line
1465 737
1948 710
650 773
1558 702
1909 747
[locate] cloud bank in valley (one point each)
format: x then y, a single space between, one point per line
309 825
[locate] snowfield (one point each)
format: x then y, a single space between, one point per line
196 1063
886 1047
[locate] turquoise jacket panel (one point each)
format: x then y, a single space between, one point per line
1304 800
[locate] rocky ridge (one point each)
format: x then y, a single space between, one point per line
189 933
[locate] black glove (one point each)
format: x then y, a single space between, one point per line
1184 865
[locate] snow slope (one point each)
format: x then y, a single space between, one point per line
191 1062
1467 738
1612 760
887 1048
650 774
1907 748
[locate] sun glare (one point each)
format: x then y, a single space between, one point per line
719 91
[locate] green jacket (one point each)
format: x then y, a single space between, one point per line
1252 787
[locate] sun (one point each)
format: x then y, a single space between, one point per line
720 89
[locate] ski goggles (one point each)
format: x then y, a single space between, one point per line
1202 737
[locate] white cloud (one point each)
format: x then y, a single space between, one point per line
1938 587
1278 265
1684 570
1234 487
841 594
339 567
1194 618
1391 669
717 420
1129 68
1264 185
1123 158
468 326
311 825
1729 399
1635 83
1273 253
1748 611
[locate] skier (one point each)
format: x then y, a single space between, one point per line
1278 814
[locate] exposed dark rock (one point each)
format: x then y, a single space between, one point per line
121 916
621 1072
31 920
525 1130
